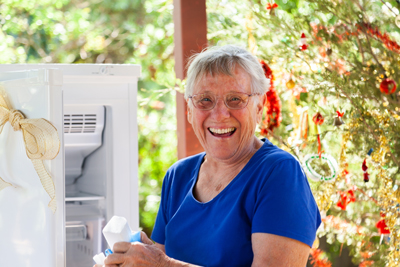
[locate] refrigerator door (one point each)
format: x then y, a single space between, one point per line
30 233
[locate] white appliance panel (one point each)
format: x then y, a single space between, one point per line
27 226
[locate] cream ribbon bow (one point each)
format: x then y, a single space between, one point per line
41 143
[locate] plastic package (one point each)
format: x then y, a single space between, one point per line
116 230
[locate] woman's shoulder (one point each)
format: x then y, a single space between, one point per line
188 163
272 155
184 169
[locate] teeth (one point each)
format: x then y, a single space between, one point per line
222 131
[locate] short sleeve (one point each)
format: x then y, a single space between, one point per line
285 205
158 234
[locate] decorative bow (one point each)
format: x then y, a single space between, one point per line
271 6
345 199
382 226
318 118
41 143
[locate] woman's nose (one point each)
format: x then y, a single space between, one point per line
220 111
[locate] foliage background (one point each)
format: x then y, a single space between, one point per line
141 32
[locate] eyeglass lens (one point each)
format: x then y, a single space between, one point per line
207 101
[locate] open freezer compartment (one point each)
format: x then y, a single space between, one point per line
100 132
83 136
84 239
86 143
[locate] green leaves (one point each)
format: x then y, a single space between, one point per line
288 6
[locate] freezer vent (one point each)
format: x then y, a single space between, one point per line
79 123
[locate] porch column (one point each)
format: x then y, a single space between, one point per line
190 20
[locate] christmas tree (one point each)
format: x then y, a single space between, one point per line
334 67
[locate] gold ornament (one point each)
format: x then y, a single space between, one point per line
387 195
290 84
327 190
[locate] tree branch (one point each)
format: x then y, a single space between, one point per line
370 49
383 2
283 142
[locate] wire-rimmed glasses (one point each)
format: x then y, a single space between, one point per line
234 100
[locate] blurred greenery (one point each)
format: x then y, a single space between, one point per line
141 32
108 31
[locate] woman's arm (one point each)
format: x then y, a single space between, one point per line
278 251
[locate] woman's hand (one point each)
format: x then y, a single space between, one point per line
137 254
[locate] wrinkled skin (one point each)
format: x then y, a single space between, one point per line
242 143
136 254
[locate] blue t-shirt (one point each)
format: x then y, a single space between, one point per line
271 194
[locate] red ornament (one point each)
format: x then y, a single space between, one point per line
303 42
365 168
345 172
366 177
272 6
390 44
303 47
362 28
318 119
319 147
388 86
382 227
273 116
345 199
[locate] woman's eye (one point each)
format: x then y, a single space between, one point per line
235 98
205 99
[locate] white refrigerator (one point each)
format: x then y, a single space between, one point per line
93 108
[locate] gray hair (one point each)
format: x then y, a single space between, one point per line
219 60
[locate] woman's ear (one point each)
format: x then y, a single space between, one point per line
189 111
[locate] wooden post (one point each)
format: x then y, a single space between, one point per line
190 24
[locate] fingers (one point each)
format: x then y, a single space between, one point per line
114 260
123 252
121 247
127 252
136 254
145 239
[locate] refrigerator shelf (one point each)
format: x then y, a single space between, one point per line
83 196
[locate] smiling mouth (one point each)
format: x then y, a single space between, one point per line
222 132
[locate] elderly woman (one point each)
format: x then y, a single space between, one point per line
244 201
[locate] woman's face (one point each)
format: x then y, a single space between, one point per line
239 125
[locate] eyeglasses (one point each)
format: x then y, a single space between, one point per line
207 101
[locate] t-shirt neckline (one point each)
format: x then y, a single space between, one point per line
197 170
